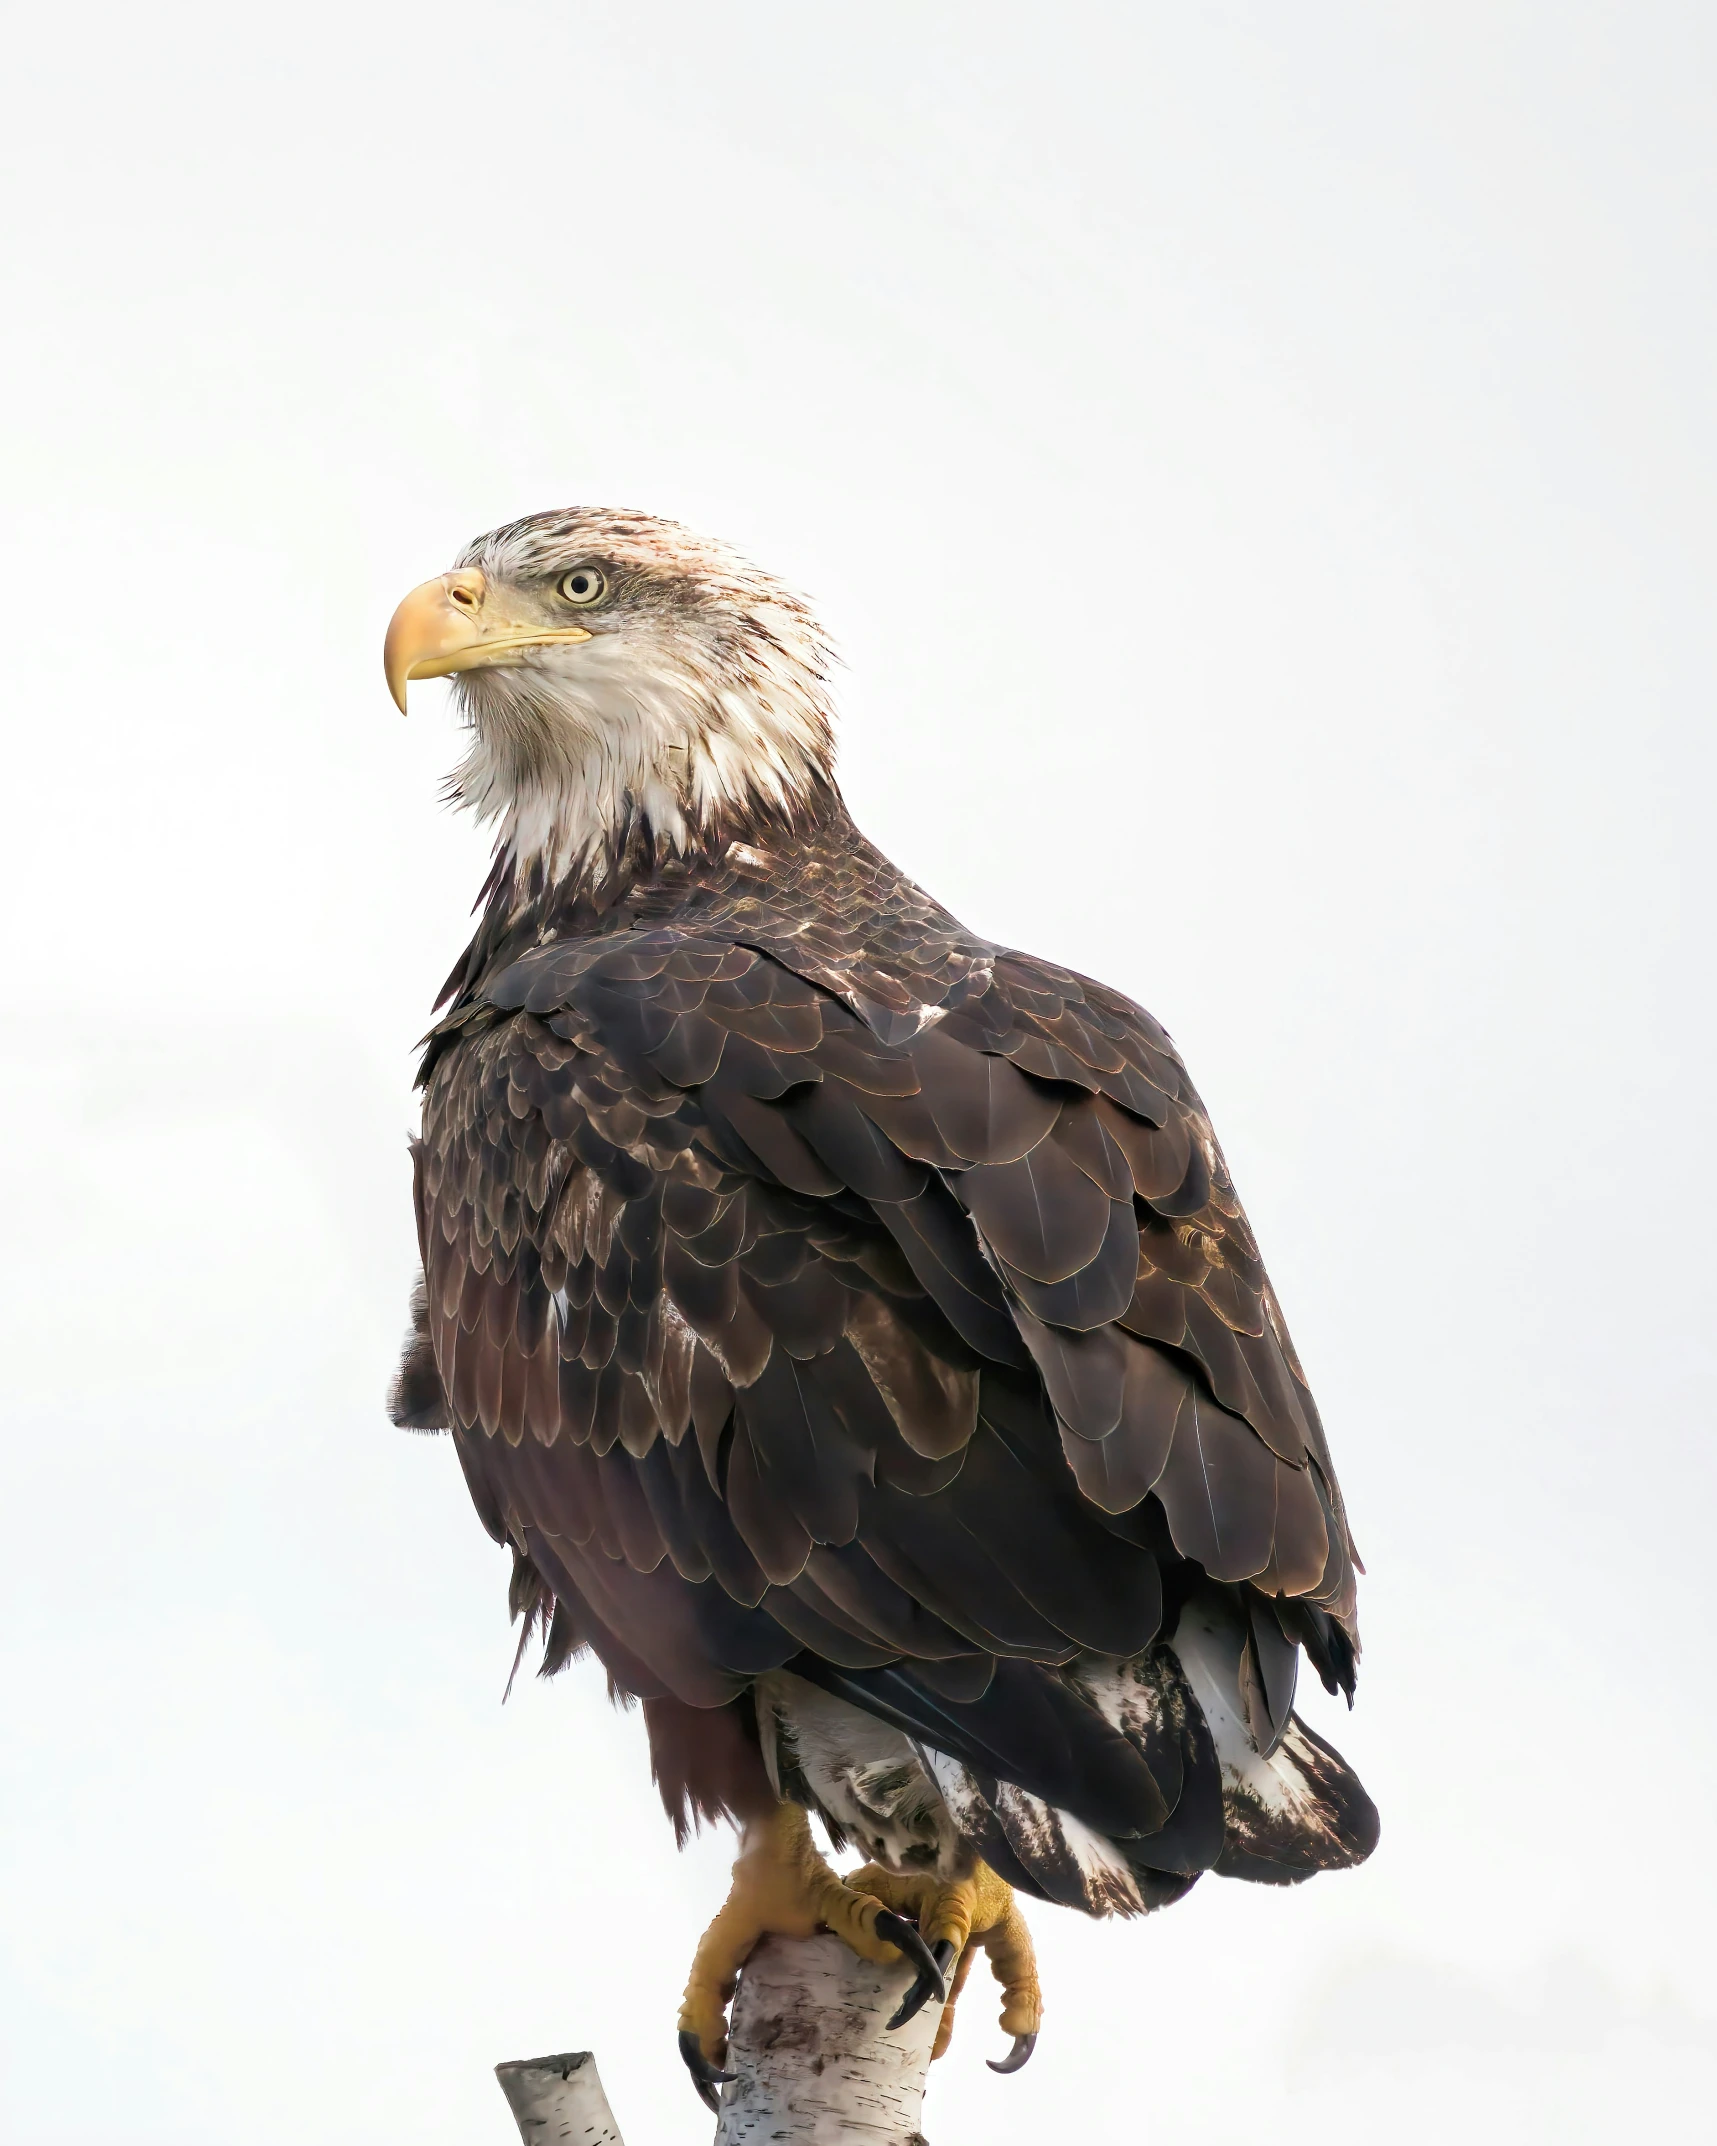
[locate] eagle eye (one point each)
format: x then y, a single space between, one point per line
585 585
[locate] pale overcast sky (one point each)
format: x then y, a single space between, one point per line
1258 462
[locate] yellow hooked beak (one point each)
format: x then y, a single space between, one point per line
445 625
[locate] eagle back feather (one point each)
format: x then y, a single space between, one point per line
816 1288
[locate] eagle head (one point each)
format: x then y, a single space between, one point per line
620 675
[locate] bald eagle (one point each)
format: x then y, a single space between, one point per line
848 1323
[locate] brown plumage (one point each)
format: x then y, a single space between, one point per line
838 1312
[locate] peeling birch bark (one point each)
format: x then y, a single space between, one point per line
816 2066
558 2101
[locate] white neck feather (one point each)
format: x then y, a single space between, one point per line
572 750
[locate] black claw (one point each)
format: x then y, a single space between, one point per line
705 2076
1018 2057
932 1979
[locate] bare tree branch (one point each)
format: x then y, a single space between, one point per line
816 2064
556 2099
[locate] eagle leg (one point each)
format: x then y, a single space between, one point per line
959 1919
783 1888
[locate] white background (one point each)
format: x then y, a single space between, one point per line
1259 464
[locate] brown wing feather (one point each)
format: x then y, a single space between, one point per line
808 1281
673 1168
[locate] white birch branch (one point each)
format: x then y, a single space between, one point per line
556 2099
816 2065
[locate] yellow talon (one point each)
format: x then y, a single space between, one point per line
975 1913
781 1888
